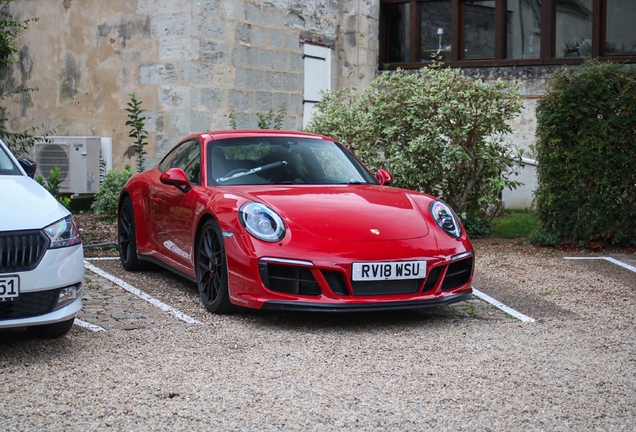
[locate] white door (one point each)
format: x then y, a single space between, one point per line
317 77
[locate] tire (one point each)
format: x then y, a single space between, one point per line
126 236
51 331
211 269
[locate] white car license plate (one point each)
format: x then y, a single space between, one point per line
397 270
9 287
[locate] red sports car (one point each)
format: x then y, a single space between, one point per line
291 221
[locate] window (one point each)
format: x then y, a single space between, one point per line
619 37
435 29
573 28
505 32
187 157
479 28
523 29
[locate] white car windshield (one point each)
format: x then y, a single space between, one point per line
7 167
277 160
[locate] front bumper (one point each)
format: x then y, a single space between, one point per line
316 275
64 313
58 269
353 307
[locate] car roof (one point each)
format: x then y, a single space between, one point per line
246 133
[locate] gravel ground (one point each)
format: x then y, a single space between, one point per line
444 368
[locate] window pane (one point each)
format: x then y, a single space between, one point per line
479 29
573 28
620 37
435 28
523 19
397 32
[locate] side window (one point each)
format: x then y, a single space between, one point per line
186 156
192 165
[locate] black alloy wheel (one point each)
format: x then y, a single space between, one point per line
211 267
126 236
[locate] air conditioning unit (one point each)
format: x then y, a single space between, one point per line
78 159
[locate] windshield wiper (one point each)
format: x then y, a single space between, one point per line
252 171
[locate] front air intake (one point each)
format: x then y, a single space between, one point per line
21 250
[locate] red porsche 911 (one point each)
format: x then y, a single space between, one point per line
291 221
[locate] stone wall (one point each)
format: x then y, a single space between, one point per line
191 62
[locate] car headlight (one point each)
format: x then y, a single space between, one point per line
446 218
63 233
262 222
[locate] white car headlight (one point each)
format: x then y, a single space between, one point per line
63 233
262 222
446 218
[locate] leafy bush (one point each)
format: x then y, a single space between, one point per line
106 198
437 131
474 226
52 184
585 149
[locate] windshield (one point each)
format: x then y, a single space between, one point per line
276 160
7 167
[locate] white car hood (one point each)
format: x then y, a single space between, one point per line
24 205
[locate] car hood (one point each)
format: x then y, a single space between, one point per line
353 212
26 205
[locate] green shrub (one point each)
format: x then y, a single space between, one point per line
586 145
52 184
437 131
475 227
544 238
106 198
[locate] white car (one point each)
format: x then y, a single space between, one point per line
41 255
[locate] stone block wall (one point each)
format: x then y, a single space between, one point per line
191 62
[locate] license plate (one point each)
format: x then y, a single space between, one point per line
9 288
389 270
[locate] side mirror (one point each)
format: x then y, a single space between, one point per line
384 177
28 166
176 177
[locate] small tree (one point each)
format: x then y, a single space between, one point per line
438 132
585 149
137 124
52 184
270 120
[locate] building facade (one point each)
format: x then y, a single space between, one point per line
192 62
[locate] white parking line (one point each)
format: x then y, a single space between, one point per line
610 259
102 259
499 305
89 326
142 295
